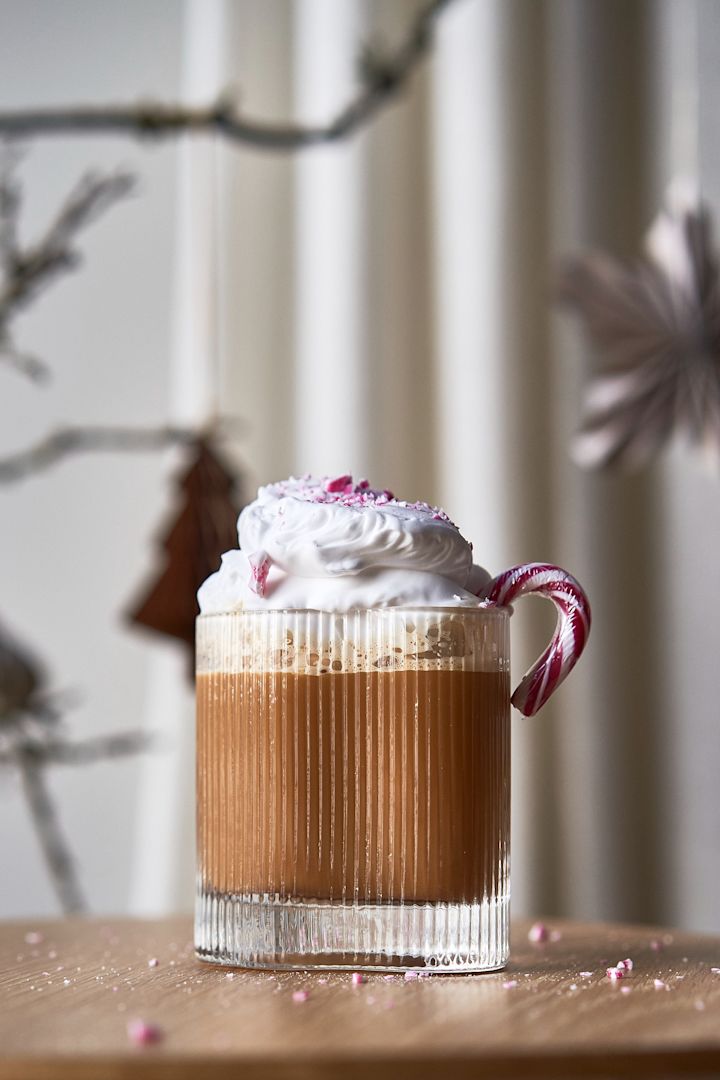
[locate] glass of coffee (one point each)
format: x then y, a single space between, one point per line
353 765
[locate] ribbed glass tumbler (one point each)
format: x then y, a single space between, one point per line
353 786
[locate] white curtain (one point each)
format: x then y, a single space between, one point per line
385 306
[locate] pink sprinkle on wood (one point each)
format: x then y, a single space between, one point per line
656 945
358 978
538 933
614 974
628 964
141 1033
410 976
33 937
659 984
715 971
556 935
510 984
153 961
585 974
300 995
626 989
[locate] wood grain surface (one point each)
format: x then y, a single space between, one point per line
69 989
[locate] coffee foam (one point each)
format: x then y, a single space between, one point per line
318 643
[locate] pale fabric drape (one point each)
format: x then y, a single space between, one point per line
387 309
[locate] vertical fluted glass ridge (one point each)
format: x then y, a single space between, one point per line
353 788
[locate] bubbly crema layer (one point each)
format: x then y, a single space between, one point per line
335 545
317 643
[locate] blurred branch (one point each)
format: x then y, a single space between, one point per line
57 854
383 76
24 272
71 440
100 748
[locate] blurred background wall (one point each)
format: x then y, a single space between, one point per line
384 306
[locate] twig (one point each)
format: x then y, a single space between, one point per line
383 77
100 748
70 440
25 271
25 363
31 269
56 852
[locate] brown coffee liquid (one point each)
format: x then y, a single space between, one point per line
373 786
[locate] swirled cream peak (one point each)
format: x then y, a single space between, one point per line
335 545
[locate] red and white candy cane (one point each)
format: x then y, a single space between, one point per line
571 631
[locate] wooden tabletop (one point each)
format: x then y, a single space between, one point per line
68 991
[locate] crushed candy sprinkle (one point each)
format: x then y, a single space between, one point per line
153 962
344 491
300 995
141 1033
358 978
260 563
538 933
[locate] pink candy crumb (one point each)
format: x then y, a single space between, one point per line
338 483
659 984
260 563
300 995
410 976
614 974
141 1033
358 978
510 984
153 962
33 937
538 933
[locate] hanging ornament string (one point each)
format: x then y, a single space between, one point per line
216 361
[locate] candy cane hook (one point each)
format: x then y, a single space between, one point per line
571 631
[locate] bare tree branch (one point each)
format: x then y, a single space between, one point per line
30 269
57 854
24 272
100 748
25 363
383 78
71 440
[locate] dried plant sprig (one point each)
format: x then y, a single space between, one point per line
658 327
32 737
24 272
154 119
84 439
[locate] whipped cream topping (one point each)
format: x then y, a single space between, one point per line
334 545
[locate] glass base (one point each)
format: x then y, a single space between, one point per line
268 932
